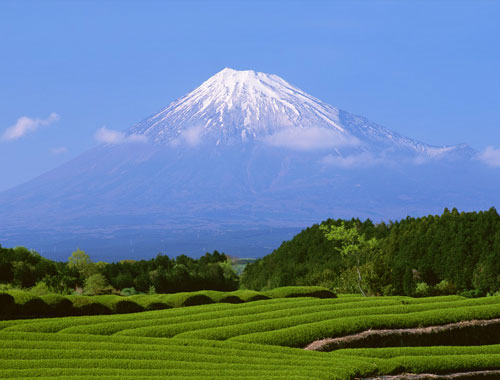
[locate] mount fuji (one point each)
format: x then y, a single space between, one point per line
248 106
239 164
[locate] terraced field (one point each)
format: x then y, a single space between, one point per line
256 340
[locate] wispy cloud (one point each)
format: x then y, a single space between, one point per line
191 136
25 125
490 156
60 150
309 139
350 161
111 136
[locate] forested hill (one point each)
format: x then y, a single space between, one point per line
456 252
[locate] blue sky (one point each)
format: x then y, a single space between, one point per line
429 70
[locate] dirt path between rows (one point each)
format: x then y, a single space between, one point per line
492 374
400 335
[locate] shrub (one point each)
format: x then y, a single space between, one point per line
8 305
423 290
40 289
129 291
58 305
474 293
97 284
258 297
149 302
445 287
87 306
197 299
118 304
231 299
301 291
29 305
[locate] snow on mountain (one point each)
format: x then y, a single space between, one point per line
235 165
234 106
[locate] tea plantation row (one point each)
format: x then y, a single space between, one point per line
256 340
23 304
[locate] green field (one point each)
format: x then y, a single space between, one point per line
261 339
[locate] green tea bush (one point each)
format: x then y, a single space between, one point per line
84 305
174 317
58 305
301 291
302 316
29 305
118 304
149 302
231 299
197 299
249 295
8 305
303 334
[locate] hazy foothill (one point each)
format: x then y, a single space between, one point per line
249 229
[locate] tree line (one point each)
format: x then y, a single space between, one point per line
23 268
453 253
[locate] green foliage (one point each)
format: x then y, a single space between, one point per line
8 305
58 305
445 287
20 303
22 268
80 261
40 289
353 247
423 290
461 248
129 292
310 259
300 291
97 284
240 341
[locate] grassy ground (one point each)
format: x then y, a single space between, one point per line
255 340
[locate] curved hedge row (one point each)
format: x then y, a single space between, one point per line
301 335
111 324
23 304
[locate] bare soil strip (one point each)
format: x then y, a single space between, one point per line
449 335
491 374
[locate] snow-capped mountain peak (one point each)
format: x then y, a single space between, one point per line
245 105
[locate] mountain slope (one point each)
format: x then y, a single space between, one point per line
242 162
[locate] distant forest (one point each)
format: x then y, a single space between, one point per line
454 253
22 268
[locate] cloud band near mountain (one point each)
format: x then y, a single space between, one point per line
110 136
25 125
309 139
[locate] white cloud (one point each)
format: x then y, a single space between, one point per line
111 136
26 125
490 156
354 160
309 139
60 150
191 136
